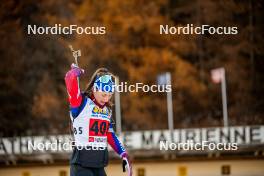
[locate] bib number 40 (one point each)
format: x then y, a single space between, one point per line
98 127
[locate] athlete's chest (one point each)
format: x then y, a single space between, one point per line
93 120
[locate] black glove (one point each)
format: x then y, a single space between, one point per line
126 164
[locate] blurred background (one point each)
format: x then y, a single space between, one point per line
34 98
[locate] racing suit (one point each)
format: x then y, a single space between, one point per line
92 128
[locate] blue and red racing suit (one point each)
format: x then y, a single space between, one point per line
91 126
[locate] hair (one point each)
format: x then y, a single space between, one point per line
89 88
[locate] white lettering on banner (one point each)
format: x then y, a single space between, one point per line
152 139
246 135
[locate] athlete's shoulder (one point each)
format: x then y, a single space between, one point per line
90 101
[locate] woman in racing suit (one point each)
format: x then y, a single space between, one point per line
90 113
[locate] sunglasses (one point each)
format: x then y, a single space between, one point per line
104 79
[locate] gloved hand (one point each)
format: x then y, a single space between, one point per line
76 70
126 164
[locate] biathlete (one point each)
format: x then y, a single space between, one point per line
90 113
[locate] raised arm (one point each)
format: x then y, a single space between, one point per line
73 88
